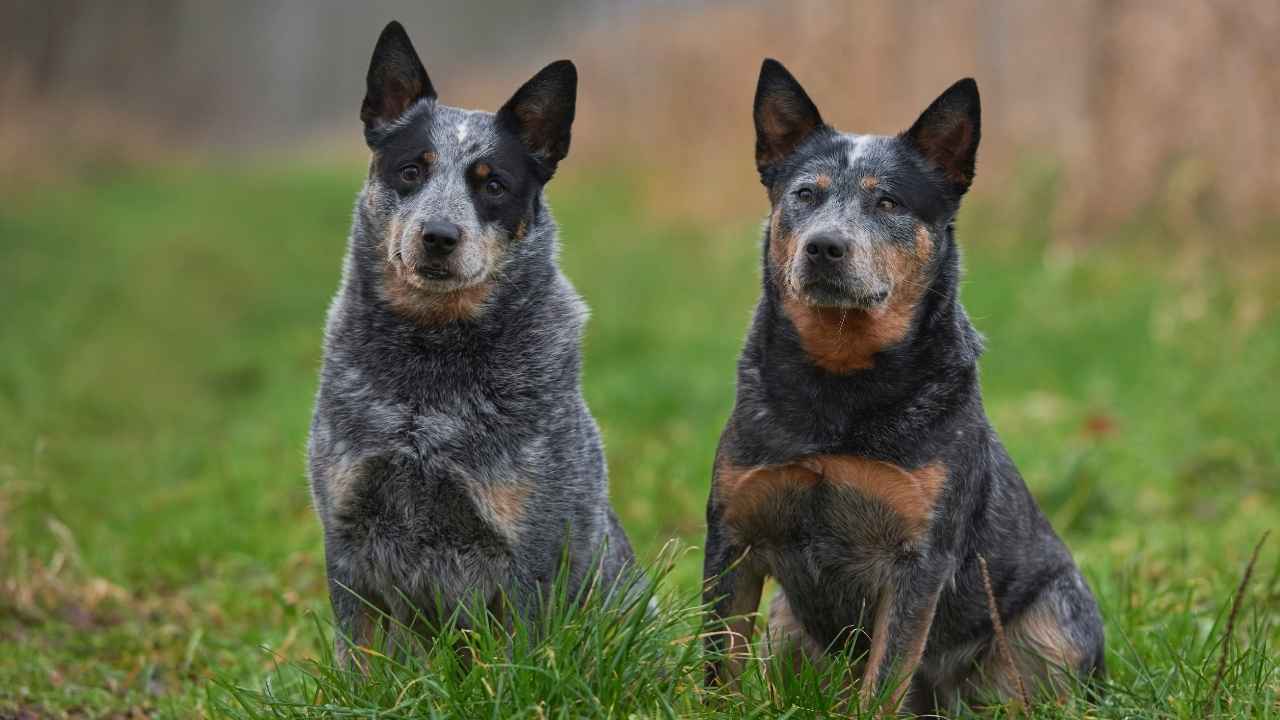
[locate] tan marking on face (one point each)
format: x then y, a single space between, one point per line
407 297
430 157
781 250
483 170
391 238
911 494
505 506
522 230
869 182
841 340
823 182
411 296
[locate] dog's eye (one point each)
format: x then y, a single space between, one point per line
805 195
410 174
887 203
494 187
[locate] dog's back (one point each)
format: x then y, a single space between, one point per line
452 457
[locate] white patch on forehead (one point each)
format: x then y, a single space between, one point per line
461 129
860 145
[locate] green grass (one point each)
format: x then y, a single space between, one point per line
159 339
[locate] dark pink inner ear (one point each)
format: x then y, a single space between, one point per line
400 94
946 144
783 122
783 125
395 91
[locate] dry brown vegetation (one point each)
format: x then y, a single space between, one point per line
1139 101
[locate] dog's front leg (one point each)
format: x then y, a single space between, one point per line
904 616
731 587
355 622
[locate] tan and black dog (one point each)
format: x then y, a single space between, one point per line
858 467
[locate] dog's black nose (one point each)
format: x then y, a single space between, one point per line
440 238
826 247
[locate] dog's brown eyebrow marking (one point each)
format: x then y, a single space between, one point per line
823 182
483 170
430 157
869 182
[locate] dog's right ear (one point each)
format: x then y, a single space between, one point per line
784 115
396 79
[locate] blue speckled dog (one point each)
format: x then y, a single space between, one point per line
452 457
858 467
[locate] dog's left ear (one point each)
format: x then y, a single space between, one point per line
947 133
541 114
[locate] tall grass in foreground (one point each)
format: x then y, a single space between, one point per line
638 653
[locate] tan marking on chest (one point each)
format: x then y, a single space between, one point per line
745 492
841 340
503 506
341 481
911 494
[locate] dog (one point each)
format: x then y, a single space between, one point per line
453 462
858 467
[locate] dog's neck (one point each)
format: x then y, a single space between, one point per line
910 390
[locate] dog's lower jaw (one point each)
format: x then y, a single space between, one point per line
412 297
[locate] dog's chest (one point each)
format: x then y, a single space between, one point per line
435 504
831 515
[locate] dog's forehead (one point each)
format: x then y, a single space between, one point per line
458 134
867 152
852 153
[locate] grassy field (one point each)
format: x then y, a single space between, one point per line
159 340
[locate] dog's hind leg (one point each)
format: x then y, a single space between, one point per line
1055 643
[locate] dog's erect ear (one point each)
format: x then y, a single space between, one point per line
396 79
947 133
784 115
541 114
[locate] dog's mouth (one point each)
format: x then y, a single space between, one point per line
436 278
434 272
826 292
